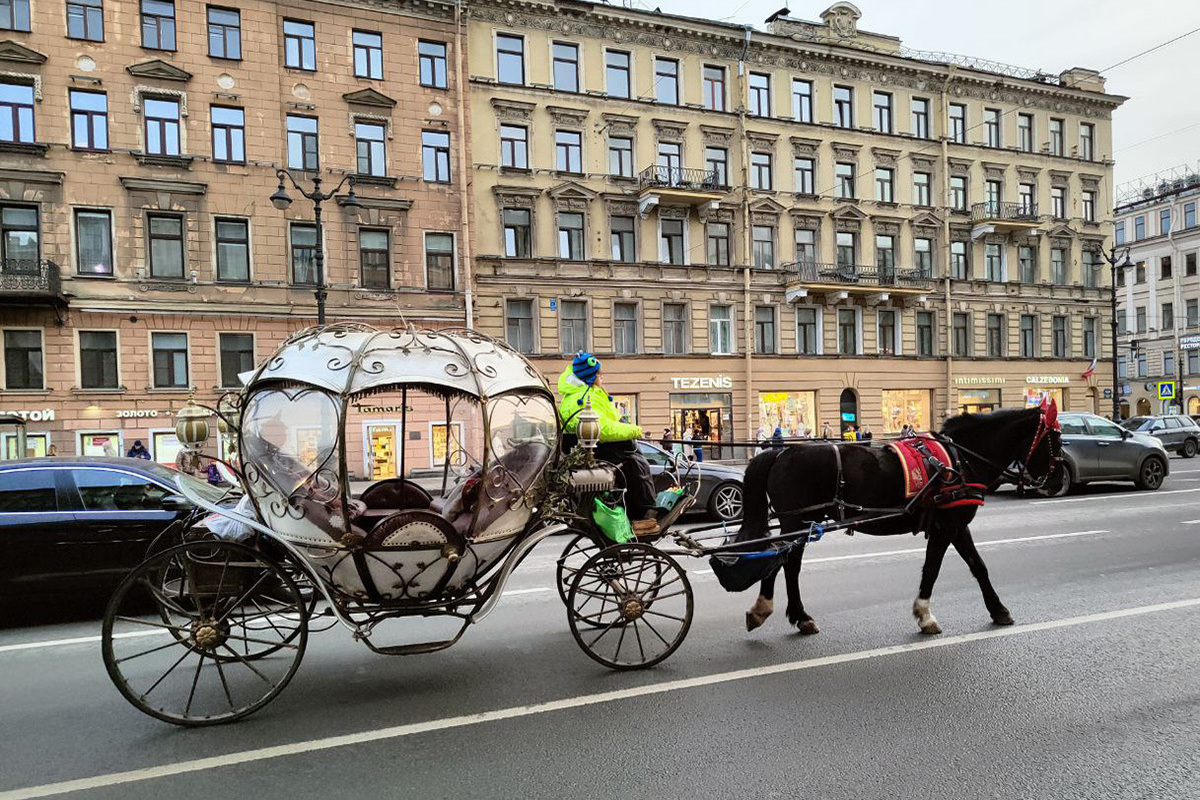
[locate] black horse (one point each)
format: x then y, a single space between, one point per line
801 484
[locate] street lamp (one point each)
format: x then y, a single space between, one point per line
282 201
1116 261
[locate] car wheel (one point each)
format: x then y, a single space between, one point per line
1152 473
725 502
1068 483
1189 449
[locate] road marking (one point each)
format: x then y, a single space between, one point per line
536 590
1190 522
8 648
911 550
581 701
1121 496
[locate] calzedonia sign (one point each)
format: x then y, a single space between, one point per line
713 382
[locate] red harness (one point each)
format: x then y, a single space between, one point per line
925 460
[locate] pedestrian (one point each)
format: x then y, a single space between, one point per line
865 434
52 452
138 450
187 462
697 448
760 437
826 431
665 441
850 434
213 474
777 437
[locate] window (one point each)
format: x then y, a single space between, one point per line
1164 221
85 18
885 258
843 106
993 259
995 335
716 161
564 58
510 59
924 333
439 262
760 95
960 330
625 328
920 118
299 45
93 242
1140 317
675 329
1139 228
760 170
847 330
228 134
1056 137
14 15
1027 264
622 238
714 88
1087 141
671 250
1026 196
1058 202
1169 369
720 330
923 257
170 355
158 24
992 196
763 242
303 241
573 324
224 33
19 234
302 143
616 73
568 151
1089 207
518 233
764 330
98 360
1091 269
233 249
670 162
518 325
882 107
666 81
1091 335
1119 232
802 100
369 147
718 244
435 156
1164 266
374 258
1192 309
570 236
237 356
1168 317
958 192
806 246
847 251
16 112
162 126
1141 364
807 331
620 156
432 58
1028 336
89 120
805 172
958 123
922 182
23 366
1189 264
1025 132
1193 362
1058 336
884 190
885 332
1058 265
1189 215
1122 367
368 54
991 127
960 267
166 245
843 174
514 146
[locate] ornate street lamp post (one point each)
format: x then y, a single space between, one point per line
282 200
1117 261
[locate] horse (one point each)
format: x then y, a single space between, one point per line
814 481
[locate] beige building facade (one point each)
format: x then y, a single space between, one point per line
801 226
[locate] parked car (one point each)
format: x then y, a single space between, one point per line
78 525
1176 431
1096 449
720 493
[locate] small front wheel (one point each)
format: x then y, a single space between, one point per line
630 606
725 503
1152 473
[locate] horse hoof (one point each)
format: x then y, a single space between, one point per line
808 627
931 628
1002 619
754 620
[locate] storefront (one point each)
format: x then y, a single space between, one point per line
978 401
164 445
627 407
1046 387
101 443
37 435
708 415
911 407
794 413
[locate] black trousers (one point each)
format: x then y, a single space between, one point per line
635 471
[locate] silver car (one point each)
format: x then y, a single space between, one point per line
1096 449
1178 433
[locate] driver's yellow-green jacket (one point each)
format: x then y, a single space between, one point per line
575 396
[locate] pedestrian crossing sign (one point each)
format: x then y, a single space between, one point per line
1166 390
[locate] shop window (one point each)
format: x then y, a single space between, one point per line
808 331
374 256
432 56
233 250
93 242
439 262
625 328
518 325
23 360
981 401
764 330
100 443
573 326
299 45
435 156
794 413
224 33
302 143
237 356
158 24
228 134
170 360
675 329
89 120
368 55
165 242
720 330
902 407
98 360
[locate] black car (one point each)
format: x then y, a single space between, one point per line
720 493
78 525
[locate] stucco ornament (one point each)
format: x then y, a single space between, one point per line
842 19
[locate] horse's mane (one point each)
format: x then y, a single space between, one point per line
961 423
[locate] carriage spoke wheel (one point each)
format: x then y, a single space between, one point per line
630 606
204 633
575 555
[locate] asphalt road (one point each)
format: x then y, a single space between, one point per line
1095 693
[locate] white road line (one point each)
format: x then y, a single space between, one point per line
1122 496
912 550
1190 522
536 590
8 648
581 701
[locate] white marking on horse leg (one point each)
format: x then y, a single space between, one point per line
758 613
925 618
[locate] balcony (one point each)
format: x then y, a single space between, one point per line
1002 218
25 281
694 187
839 281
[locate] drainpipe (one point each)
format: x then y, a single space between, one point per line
951 405
463 170
747 308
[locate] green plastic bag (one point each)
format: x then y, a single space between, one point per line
613 521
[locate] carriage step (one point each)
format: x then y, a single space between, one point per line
411 649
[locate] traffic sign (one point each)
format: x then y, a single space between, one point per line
1166 390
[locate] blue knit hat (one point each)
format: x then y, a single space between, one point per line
586 366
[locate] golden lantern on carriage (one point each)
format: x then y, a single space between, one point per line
191 426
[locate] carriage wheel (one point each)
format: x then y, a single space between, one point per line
630 606
581 547
225 632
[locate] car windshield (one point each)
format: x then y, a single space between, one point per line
168 476
1136 423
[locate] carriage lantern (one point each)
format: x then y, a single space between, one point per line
588 430
191 426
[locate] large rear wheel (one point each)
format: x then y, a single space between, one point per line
1152 473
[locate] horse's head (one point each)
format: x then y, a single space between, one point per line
1042 465
1020 445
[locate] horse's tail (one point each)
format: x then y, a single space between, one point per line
754 495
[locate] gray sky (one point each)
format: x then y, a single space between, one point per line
1052 35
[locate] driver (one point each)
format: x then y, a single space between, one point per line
580 383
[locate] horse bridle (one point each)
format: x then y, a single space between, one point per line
1048 428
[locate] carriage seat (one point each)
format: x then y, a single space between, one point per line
458 506
396 493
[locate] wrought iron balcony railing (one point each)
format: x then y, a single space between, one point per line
679 178
25 278
1005 212
858 275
